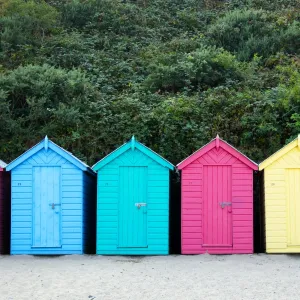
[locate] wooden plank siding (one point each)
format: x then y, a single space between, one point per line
71 189
278 220
242 211
193 191
157 205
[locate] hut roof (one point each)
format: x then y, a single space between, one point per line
217 142
46 143
133 143
281 152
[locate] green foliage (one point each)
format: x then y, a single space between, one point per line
24 21
206 67
250 32
24 24
90 74
67 50
264 4
41 100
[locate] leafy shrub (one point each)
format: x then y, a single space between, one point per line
21 21
206 67
264 4
245 32
90 74
41 100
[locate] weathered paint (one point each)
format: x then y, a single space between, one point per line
4 209
282 199
130 175
217 200
49 201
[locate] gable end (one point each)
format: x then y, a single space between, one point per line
132 144
217 143
47 144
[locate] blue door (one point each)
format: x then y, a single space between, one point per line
46 207
133 207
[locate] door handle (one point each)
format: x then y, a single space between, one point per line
223 204
54 204
139 205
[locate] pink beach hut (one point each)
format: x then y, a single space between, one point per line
217 200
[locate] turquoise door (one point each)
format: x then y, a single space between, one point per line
46 207
133 207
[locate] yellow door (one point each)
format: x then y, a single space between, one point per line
293 207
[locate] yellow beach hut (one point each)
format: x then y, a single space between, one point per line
282 199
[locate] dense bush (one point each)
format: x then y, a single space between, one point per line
198 70
40 100
250 32
90 74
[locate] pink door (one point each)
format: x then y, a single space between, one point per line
217 206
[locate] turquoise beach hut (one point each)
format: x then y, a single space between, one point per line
133 202
53 202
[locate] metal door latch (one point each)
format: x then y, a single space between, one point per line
223 204
138 205
53 205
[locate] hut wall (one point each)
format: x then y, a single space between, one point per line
23 225
222 231
111 235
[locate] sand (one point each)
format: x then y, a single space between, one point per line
162 277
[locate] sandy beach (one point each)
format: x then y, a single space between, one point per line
170 277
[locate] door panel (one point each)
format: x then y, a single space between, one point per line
46 207
132 217
293 206
217 206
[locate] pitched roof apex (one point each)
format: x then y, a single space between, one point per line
132 144
132 141
279 153
217 142
45 143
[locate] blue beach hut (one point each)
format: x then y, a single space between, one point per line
53 202
133 202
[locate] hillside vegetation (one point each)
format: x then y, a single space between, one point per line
174 73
